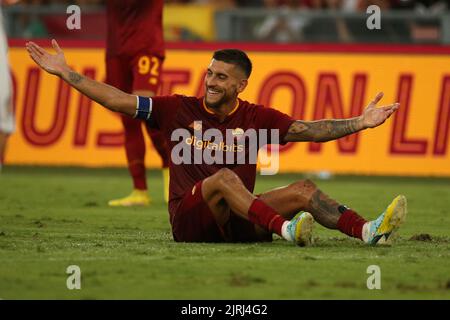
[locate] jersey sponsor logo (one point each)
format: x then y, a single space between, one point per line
236 146
208 144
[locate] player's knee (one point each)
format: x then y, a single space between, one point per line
227 178
303 190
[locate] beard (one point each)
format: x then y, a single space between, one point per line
223 100
216 104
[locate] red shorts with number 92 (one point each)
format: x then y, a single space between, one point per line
138 72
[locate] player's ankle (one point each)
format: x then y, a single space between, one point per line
285 232
365 234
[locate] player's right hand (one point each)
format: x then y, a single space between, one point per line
373 116
52 63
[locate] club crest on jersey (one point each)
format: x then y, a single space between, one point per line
196 125
237 133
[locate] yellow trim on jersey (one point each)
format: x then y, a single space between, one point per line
206 108
235 108
230 113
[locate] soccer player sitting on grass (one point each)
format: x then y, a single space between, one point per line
213 201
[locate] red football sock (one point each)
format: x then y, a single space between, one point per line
351 223
261 214
160 144
137 171
135 150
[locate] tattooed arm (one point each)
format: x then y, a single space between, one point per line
331 129
107 96
322 130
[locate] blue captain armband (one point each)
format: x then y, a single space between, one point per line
143 108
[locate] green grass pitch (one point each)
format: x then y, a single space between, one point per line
51 218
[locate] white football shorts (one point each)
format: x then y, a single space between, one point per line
6 111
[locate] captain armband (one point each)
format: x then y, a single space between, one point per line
143 108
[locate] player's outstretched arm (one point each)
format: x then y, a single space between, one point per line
331 129
108 96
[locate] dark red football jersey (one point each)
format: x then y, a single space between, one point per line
134 25
184 113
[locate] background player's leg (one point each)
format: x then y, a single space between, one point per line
160 144
3 138
146 68
135 151
135 147
119 75
6 110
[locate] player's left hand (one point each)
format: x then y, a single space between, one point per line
373 116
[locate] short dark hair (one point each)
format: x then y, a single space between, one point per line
236 57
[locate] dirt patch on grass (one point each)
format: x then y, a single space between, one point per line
39 224
91 204
312 283
421 237
447 285
346 284
407 287
242 280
